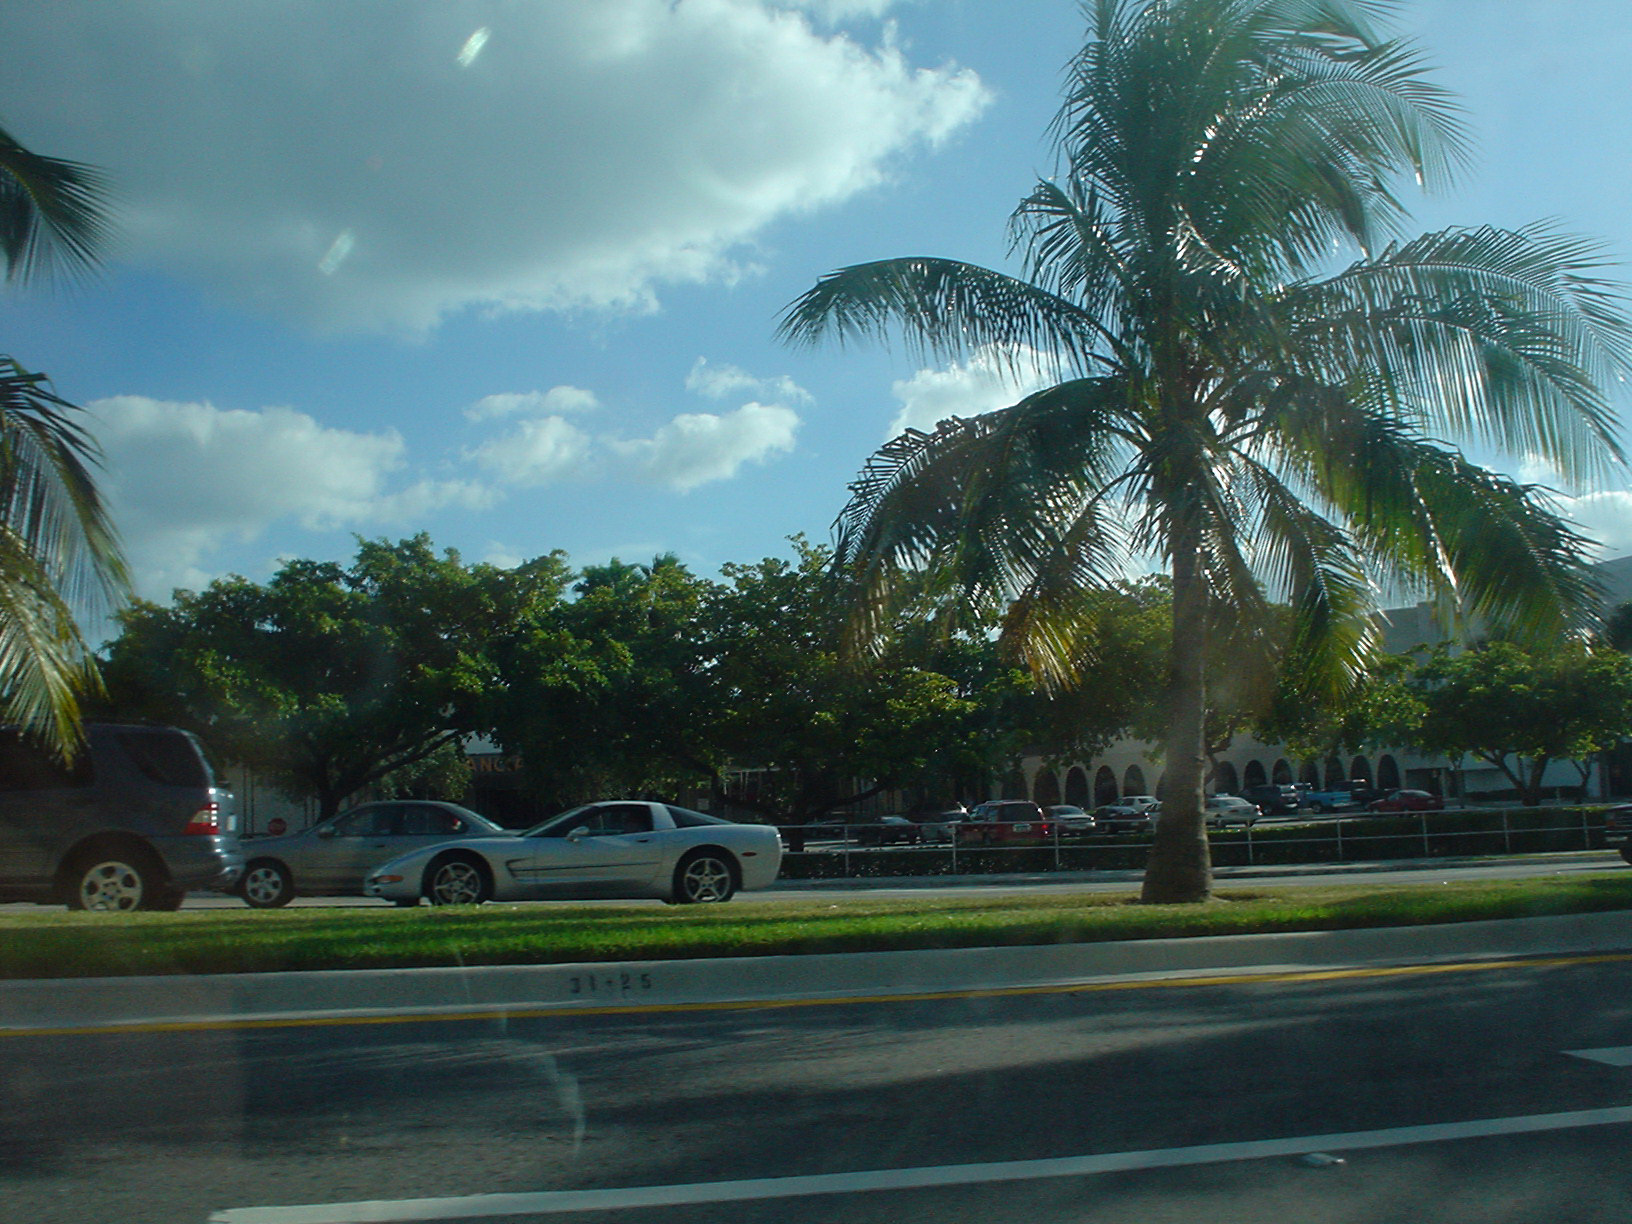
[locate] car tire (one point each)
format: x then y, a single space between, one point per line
115 881
266 884
1319 809
458 880
1626 853
705 877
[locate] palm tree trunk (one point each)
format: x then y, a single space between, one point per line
1180 868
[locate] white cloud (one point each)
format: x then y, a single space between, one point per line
371 167
986 383
185 478
1606 517
535 452
699 447
724 381
533 403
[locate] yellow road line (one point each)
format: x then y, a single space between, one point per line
506 1011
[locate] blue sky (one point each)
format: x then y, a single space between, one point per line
508 273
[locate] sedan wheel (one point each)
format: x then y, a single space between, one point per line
704 878
458 882
109 886
267 885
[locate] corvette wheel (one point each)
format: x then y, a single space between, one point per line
704 878
458 881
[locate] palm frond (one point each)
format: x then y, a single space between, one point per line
944 309
996 506
53 213
1500 337
59 553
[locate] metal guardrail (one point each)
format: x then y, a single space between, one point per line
1342 837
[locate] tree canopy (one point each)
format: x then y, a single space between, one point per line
1520 710
330 678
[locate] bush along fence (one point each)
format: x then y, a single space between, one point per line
1331 839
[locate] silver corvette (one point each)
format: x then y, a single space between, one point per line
614 849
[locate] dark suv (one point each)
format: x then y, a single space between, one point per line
1274 799
135 822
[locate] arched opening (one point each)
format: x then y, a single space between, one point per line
1283 773
1045 787
1225 780
1388 774
1133 781
1335 777
1360 770
1104 786
1310 772
1076 786
1253 775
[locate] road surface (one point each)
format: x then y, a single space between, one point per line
962 1099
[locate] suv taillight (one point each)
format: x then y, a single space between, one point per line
205 821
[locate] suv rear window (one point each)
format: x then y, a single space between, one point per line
166 757
27 767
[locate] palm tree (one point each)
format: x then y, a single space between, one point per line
1273 426
59 555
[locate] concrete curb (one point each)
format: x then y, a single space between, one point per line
292 997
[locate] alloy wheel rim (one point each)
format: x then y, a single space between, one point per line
456 884
706 879
111 886
264 884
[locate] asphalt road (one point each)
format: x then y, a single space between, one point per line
169 1127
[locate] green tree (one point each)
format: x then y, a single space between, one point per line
332 678
603 694
1228 399
831 729
1521 710
59 556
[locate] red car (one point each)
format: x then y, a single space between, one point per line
1409 801
1006 820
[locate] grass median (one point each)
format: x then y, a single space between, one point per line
49 943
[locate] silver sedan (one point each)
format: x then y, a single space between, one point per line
612 849
332 858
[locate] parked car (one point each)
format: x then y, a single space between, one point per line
133 824
1005 820
1069 819
1223 810
1336 799
1618 829
1274 798
334 856
611 849
939 824
882 831
1408 801
1130 814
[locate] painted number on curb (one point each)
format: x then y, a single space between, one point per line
611 985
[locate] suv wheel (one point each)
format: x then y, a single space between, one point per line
110 881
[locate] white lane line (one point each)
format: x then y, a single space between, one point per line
549 1202
1614 1056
